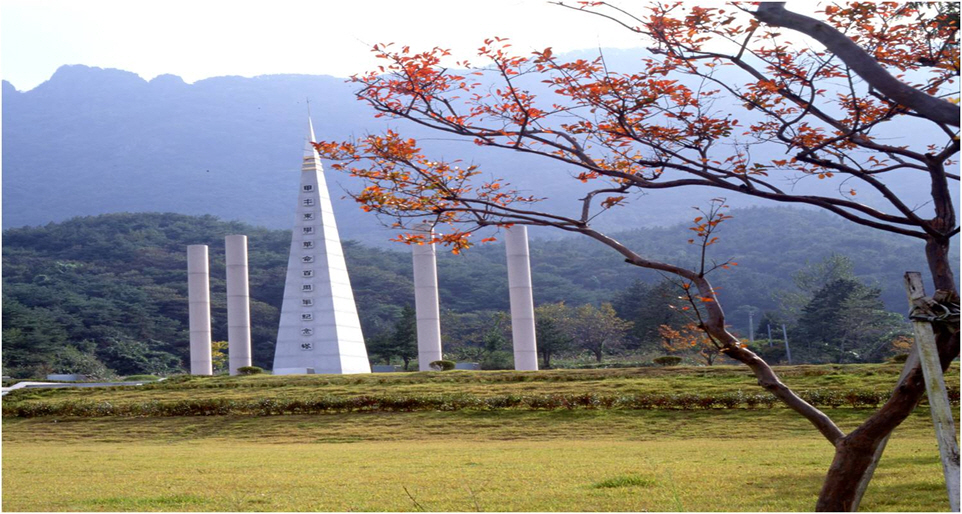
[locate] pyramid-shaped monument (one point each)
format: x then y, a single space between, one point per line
319 330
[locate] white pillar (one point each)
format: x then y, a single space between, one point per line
238 303
198 302
426 301
522 300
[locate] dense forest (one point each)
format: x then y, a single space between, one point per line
107 295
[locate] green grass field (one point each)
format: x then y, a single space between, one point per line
502 460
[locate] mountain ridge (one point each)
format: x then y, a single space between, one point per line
99 140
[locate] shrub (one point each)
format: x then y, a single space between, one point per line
686 401
249 370
503 402
953 393
731 400
833 399
760 400
667 360
141 378
899 358
442 365
864 398
498 360
706 401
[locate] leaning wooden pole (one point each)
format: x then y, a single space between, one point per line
934 384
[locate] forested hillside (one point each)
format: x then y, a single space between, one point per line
110 292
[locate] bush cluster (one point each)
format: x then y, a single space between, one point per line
667 360
443 365
439 402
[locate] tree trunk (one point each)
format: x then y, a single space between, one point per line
854 452
598 354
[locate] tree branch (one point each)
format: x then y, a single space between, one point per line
935 109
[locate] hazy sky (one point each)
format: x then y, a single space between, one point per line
196 39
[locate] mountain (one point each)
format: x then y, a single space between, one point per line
92 141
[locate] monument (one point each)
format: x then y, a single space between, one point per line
238 303
519 287
426 300
198 301
319 331
521 297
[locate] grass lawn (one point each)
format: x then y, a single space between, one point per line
504 460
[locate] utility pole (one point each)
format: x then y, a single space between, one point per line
788 351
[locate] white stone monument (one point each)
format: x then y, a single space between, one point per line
426 301
198 301
522 301
319 329
238 303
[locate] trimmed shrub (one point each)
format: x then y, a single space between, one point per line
686 401
667 360
442 365
857 398
731 400
706 401
249 370
753 401
141 378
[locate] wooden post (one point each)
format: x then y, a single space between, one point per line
935 388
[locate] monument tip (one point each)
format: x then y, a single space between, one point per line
308 147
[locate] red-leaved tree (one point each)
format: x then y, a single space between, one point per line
719 92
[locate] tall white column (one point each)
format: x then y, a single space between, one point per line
426 302
238 303
522 301
198 302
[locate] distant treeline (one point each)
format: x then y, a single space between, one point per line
108 294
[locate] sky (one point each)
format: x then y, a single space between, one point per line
196 39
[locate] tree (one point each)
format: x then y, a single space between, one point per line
675 123
28 336
402 342
597 329
809 280
648 307
218 356
405 337
690 338
551 322
845 321
868 329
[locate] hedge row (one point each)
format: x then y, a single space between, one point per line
327 404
